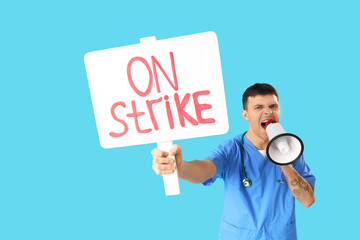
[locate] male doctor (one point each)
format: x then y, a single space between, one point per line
266 210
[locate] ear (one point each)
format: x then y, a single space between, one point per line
245 115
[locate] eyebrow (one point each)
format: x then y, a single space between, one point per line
260 105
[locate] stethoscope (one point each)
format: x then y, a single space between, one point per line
246 182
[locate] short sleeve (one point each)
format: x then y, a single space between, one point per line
219 157
304 170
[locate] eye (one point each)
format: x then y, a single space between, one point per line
274 107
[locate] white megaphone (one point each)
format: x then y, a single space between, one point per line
283 148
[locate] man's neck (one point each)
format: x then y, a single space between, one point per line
258 142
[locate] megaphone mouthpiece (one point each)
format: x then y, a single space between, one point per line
268 122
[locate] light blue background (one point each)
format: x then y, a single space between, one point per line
56 182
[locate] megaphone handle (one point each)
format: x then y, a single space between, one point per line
171 181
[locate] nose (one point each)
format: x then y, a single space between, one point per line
268 111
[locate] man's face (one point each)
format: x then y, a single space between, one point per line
260 109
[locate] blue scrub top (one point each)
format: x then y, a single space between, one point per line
266 210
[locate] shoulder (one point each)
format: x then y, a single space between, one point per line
230 145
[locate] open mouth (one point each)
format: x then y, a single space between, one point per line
266 122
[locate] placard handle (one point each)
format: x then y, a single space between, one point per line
171 181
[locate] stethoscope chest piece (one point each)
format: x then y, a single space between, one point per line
246 182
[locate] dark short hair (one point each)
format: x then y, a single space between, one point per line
258 89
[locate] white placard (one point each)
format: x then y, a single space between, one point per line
158 91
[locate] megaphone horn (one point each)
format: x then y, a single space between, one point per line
283 148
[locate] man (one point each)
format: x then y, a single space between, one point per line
266 209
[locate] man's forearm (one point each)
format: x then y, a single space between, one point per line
196 171
299 187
